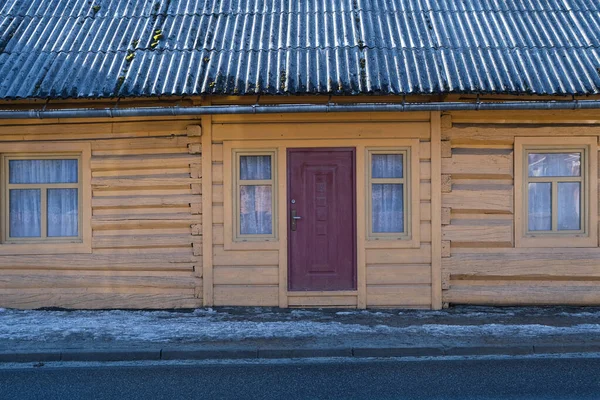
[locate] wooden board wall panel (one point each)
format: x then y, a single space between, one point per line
492 166
161 144
425 170
399 256
398 296
535 294
578 117
479 199
323 118
398 274
246 295
217 152
374 130
244 257
218 217
139 201
246 275
425 211
187 230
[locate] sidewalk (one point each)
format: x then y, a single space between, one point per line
234 333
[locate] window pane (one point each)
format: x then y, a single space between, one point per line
255 167
554 164
255 210
62 212
540 206
25 213
569 206
386 166
42 171
388 208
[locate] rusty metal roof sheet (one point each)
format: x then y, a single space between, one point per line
125 48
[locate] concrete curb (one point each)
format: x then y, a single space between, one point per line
154 354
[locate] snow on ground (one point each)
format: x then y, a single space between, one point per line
232 325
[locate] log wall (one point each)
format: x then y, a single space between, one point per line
480 263
145 221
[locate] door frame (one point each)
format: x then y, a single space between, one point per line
352 150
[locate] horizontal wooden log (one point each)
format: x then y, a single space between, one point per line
139 241
490 166
177 172
90 300
480 199
534 294
475 232
577 263
398 274
134 144
41 281
398 296
498 134
136 201
135 182
141 162
246 295
116 223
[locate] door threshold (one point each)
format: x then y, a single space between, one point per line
323 293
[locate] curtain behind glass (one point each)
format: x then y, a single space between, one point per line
25 204
388 208
256 201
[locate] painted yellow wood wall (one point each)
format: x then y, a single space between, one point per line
146 206
387 277
480 263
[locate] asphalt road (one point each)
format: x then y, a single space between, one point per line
513 378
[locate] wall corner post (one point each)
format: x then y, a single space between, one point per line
436 211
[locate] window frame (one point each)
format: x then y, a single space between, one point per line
234 239
411 238
405 152
45 244
587 236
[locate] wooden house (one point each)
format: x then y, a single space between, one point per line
316 153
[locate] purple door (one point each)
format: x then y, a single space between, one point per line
321 219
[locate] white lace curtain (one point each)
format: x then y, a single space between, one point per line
256 200
568 194
26 203
387 199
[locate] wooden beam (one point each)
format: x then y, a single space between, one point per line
207 239
436 211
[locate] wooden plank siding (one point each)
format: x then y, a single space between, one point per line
480 263
143 228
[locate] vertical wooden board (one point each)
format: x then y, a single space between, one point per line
436 211
207 222
361 228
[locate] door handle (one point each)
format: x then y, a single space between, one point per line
294 220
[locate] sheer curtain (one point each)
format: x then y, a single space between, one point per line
256 200
387 199
61 203
568 194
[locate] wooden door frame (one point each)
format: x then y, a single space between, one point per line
352 150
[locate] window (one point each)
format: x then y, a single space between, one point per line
254 195
45 200
556 199
388 193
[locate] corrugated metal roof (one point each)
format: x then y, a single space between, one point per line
109 48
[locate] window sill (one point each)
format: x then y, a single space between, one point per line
386 243
44 248
272 244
